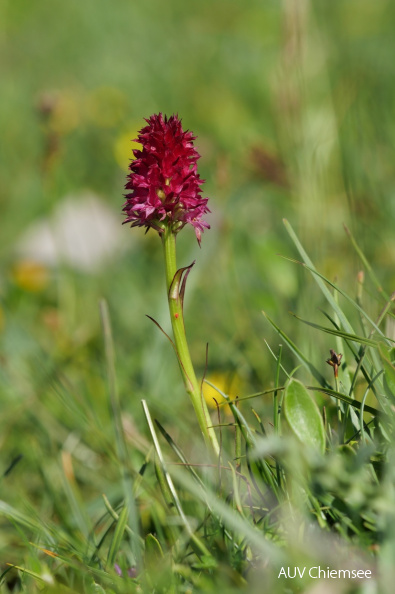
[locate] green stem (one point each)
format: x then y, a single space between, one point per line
177 321
276 410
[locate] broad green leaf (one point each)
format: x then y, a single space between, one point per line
303 416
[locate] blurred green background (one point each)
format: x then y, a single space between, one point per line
293 104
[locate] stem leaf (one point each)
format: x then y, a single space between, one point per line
178 284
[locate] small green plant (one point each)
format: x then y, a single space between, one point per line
165 196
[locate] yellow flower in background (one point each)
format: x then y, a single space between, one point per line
229 383
30 275
66 112
106 106
124 146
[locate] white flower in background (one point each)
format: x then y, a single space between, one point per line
82 232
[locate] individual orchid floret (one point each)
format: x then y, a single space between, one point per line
163 183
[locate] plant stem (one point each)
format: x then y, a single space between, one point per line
177 321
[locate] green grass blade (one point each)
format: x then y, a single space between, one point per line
238 416
117 536
76 503
249 438
347 297
344 398
359 356
45 578
118 429
362 409
233 520
324 289
179 453
345 335
277 359
250 396
365 262
389 372
28 521
115 516
313 370
170 483
112 382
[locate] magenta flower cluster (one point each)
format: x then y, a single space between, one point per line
163 180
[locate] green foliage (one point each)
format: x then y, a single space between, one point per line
303 416
172 521
387 358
